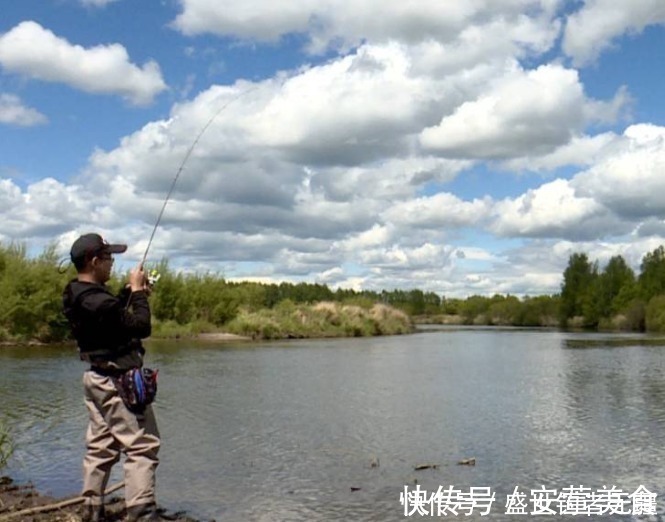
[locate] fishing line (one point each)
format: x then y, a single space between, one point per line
184 161
180 169
64 264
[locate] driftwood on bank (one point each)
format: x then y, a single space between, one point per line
464 462
421 467
55 506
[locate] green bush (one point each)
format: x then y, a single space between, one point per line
654 315
635 314
31 295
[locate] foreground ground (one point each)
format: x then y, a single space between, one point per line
16 499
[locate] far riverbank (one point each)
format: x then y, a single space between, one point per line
285 321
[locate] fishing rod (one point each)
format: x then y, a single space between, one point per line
61 266
184 161
154 276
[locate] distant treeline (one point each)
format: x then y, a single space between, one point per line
614 297
611 298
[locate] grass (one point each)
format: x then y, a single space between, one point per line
324 319
174 330
6 445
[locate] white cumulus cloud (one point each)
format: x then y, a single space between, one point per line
522 113
14 112
44 209
630 180
580 151
593 28
33 51
345 23
554 210
442 210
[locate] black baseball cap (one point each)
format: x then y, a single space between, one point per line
90 245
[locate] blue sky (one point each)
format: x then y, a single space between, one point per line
458 147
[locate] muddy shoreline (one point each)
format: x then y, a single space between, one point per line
17 499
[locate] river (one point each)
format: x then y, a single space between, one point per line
331 430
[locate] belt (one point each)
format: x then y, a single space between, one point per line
107 371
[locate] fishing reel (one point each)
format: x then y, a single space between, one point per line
153 277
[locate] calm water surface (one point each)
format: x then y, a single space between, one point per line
283 431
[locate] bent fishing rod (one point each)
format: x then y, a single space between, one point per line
184 162
189 152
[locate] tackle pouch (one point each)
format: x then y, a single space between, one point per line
137 388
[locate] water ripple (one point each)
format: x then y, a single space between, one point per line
332 430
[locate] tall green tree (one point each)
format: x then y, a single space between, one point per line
652 274
577 288
616 276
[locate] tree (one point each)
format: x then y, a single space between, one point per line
538 311
616 276
652 276
577 288
475 308
504 310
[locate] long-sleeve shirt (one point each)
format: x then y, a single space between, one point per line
102 324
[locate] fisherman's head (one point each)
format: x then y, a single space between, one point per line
90 254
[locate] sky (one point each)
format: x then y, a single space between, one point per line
458 147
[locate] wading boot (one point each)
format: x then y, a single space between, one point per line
143 513
94 514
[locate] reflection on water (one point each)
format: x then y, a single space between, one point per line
294 431
617 341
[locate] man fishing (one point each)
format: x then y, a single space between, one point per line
108 330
